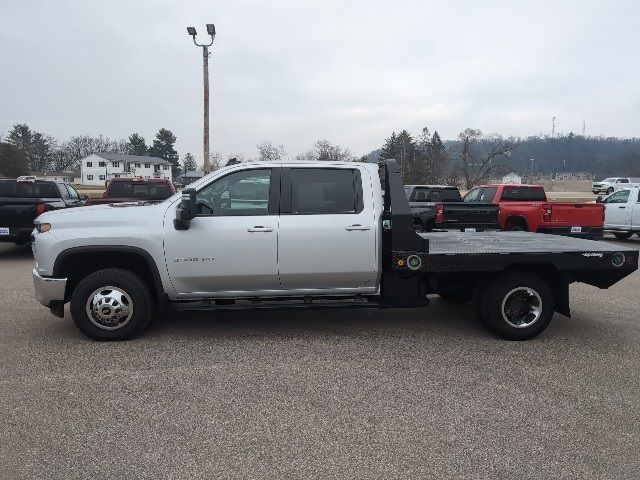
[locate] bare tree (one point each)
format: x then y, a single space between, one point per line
478 168
467 139
268 152
324 150
70 152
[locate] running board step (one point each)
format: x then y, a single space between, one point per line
316 304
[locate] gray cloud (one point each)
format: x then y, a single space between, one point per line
294 71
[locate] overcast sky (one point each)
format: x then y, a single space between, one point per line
294 71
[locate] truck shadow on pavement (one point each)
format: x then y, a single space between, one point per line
9 251
439 318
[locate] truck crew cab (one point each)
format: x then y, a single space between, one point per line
313 234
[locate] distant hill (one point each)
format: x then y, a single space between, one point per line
600 156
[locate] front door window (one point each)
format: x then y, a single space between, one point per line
244 193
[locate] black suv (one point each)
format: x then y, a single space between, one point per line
23 199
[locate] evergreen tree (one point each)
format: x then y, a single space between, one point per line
13 161
163 147
136 145
38 148
390 148
189 163
437 159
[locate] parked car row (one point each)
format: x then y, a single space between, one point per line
23 199
504 207
440 207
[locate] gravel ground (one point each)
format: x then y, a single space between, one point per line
423 393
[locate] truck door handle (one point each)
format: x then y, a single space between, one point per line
622 206
259 228
357 226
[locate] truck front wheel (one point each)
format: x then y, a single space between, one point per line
517 305
111 304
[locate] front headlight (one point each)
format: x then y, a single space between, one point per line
43 227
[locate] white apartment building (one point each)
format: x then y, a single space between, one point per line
98 168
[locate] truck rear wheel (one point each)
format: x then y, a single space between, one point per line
111 304
517 305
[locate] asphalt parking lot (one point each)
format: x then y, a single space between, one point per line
424 393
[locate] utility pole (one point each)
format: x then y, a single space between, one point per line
553 127
211 30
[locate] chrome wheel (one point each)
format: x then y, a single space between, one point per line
521 307
109 308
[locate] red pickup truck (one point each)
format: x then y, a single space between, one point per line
122 190
525 208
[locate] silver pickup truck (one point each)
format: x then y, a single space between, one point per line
318 234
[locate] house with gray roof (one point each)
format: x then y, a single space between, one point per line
98 168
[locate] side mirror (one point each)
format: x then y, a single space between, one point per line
186 210
599 199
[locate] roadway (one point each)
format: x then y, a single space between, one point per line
424 393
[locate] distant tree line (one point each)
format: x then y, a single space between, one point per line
475 158
470 159
24 150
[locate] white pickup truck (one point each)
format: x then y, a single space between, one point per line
612 184
622 213
311 234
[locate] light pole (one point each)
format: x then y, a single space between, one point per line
211 30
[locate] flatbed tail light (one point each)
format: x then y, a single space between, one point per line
439 213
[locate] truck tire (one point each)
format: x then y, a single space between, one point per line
517 305
111 304
622 235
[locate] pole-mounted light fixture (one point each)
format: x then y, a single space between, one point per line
211 30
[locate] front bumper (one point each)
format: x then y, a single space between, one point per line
49 291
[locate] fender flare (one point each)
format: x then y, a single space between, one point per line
62 256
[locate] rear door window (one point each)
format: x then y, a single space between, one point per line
150 191
523 194
325 191
12 188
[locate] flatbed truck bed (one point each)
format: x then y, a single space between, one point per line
494 251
